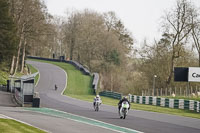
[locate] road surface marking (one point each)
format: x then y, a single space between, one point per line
7 117
82 119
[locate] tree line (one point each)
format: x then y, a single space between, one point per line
101 42
24 26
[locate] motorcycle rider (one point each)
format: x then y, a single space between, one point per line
56 87
96 98
121 101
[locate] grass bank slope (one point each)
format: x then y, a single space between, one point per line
77 83
79 86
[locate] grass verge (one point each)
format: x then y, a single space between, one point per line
3 77
75 90
152 108
34 70
12 126
77 83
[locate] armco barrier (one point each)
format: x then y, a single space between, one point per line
166 102
95 81
74 63
77 65
111 94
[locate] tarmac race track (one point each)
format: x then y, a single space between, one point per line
82 112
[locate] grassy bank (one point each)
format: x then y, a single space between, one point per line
12 126
79 87
34 70
77 83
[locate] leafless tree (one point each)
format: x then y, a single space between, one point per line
177 26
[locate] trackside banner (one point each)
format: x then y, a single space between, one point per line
194 74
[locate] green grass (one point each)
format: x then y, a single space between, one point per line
77 83
34 70
114 102
180 112
75 90
12 126
3 77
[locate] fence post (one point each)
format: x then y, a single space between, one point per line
175 91
157 94
184 93
170 91
191 91
196 90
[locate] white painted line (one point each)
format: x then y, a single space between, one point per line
3 116
93 120
65 82
38 77
7 117
62 93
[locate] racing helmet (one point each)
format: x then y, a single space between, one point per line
125 97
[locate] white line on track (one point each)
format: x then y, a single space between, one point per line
7 117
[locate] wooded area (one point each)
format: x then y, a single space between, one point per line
102 43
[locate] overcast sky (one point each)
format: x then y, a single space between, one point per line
140 17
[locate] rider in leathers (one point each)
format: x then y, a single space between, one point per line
121 101
97 98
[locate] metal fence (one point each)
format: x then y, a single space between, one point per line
74 63
177 91
95 82
3 88
78 66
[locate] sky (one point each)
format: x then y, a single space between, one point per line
140 17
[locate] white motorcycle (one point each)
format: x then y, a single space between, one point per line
97 105
124 109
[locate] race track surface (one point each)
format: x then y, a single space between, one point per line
143 121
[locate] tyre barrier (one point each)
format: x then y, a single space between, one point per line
110 94
166 102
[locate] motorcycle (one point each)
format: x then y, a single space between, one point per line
97 105
124 110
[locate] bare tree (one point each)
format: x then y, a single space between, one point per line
29 15
177 26
196 29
